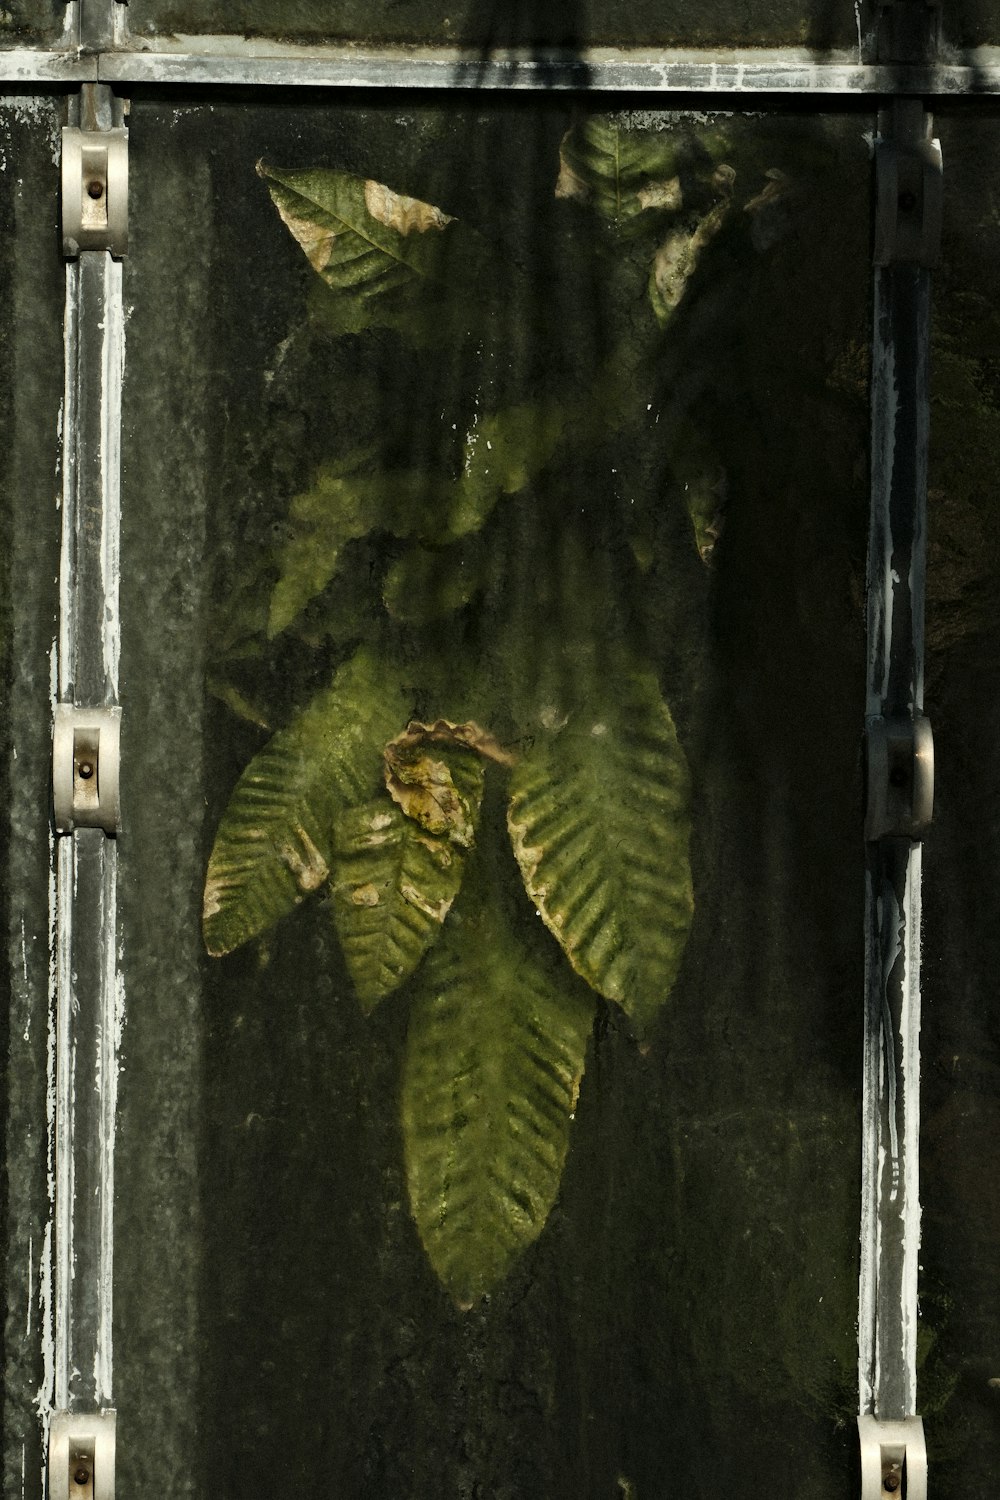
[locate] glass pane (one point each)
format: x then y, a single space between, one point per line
960 1031
31 388
561 460
489 24
26 23
971 23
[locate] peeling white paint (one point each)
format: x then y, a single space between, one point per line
911 1122
68 423
112 369
65 1066
64 1337
112 1023
890 1218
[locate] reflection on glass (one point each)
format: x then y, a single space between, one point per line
505 561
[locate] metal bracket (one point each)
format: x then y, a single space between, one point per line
82 1455
95 191
899 801
909 190
86 753
893 1459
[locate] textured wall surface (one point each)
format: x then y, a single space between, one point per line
31 387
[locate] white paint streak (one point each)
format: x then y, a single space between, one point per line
885 403
112 367
870 1176
64 1104
911 1123
891 921
68 423
112 1021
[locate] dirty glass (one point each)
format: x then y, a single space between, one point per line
970 23
959 1382
27 23
31 307
494 507
491 24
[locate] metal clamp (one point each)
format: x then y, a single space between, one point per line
82 1455
893 1459
86 755
899 800
94 191
909 190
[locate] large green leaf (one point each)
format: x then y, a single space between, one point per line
344 503
624 172
495 1053
502 453
677 258
619 172
373 247
429 582
273 845
393 885
599 820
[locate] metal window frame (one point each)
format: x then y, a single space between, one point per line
737 76
97 49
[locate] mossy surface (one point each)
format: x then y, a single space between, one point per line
31 389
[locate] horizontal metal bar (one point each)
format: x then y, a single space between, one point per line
194 61
36 66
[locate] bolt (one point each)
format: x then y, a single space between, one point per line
86 770
95 188
82 1476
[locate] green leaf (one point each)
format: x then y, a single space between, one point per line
373 247
429 582
273 845
503 451
677 258
599 821
495 1054
617 171
393 885
344 504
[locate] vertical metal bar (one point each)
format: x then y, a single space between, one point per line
84 917
890 1230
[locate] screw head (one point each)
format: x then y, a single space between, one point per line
891 1482
86 769
95 188
82 1476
